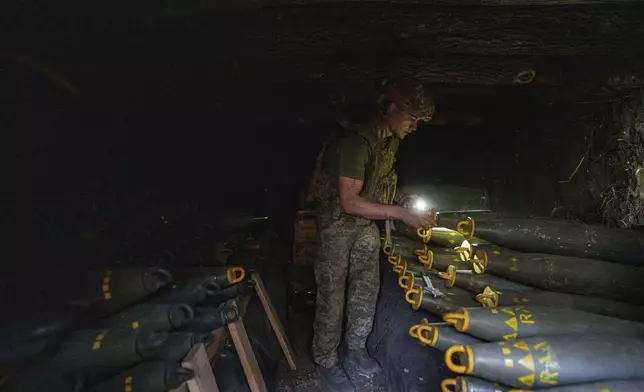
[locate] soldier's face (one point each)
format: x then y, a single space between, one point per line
400 122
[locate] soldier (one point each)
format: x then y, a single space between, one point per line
354 184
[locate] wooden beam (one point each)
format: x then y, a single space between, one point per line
197 361
481 70
389 29
246 356
274 319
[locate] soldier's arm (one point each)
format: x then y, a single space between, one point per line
352 203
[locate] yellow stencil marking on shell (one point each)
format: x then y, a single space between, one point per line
527 380
605 390
97 341
451 242
514 269
106 285
135 325
508 311
527 362
513 259
545 377
509 363
494 311
521 345
506 351
544 359
496 252
526 318
541 346
512 323
510 336
128 384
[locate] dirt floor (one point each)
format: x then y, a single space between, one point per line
305 379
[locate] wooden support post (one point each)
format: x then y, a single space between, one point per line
273 318
246 356
197 361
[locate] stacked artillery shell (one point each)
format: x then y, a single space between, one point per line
99 353
476 283
470 384
178 344
448 299
153 316
517 322
147 377
210 319
230 292
473 384
543 362
215 277
440 236
190 292
605 307
452 220
566 274
562 238
441 337
113 289
42 379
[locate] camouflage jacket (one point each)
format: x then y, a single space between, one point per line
379 179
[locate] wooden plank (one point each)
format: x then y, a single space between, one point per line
273 318
219 336
246 356
197 361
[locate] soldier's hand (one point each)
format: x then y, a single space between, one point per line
417 219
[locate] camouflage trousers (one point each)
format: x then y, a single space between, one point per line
347 262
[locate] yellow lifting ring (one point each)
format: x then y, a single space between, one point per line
235 274
388 249
411 293
427 260
422 252
466 228
466 356
424 234
406 281
428 335
489 298
403 281
449 276
403 271
394 259
414 296
448 385
460 321
413 330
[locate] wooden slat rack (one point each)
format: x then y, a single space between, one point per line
200 359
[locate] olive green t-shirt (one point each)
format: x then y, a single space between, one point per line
348 156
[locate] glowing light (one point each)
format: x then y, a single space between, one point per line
421 205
